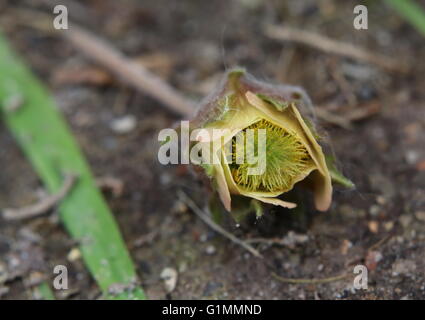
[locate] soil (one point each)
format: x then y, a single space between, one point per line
380 224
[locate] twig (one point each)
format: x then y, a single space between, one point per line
150 236
380 242
112 183
356 114
343 84
44 205
364 111
269 242
336 47
204 217
333 118
290 240
129 71
116 62
310 281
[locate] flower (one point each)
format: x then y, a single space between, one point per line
292 154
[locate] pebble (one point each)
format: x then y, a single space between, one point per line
373 226
287 266
372 259
412 157
74 255
292 238
124 124
210 250
169 275
388 226
346 244
374 210
420 215
381 200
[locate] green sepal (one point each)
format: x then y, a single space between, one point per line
280 106
336 175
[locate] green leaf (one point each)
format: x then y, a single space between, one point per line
280 106
411 11
45 291
44 137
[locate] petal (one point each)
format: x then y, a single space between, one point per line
277 202
323 182
222 188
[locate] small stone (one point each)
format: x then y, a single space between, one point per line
373 226
420 215
374 210
74 255
203 237
372 259
292 239
210 250
169 275
286 266
180 207
381 200
388 226
346 244
124 124
412 156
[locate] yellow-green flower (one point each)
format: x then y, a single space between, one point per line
292 153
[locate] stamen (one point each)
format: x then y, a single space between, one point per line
286 158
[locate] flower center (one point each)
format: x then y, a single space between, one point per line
286 158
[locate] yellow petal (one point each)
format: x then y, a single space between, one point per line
222 187
276 202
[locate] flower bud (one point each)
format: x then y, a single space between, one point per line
271 124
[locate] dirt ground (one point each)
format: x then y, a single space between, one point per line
381 223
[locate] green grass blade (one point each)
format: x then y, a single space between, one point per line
47 142
45 292
411 11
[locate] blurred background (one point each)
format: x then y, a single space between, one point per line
371 104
